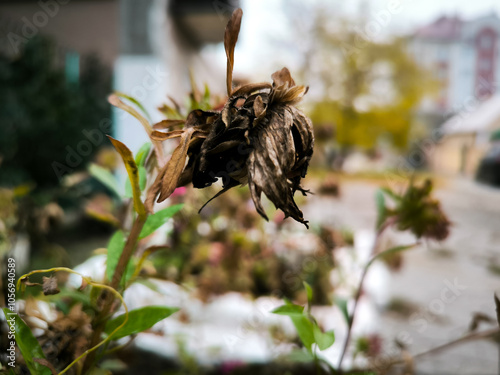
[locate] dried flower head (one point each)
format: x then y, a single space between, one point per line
259 138
418 212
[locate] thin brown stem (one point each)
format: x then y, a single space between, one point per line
108 299
350 321
468 338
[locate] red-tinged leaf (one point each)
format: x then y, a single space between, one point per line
133 174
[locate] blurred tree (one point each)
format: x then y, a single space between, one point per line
366 89
44 113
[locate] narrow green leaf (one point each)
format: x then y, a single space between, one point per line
133 174
115 249
289 310
342 305
323 339
105 177
138 320
304 329
143 175
135 101
392 194
309 292
391 251
381 209
497 305
27 344
156 220
140 156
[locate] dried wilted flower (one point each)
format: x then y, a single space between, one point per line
418 212
258 138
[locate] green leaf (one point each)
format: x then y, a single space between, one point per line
138 320
133 174
156 220
381 209
299 355
323 339
135 101
304 329
115 249
143 175
309 292
289 310
497 305
140 156
392 194
27 344
105 177
390 251
342 305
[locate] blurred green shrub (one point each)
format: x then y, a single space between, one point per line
44 112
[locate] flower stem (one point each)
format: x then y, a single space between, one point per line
100 320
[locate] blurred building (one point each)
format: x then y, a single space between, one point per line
463 55
80 27
466 138
152 45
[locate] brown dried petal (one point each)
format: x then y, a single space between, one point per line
230 39
270 162
282 78
250 88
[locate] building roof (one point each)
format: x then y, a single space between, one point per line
444 28
484 118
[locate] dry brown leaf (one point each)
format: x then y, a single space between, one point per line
50 286
160 136
114 100
175 166
230 39
166 124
